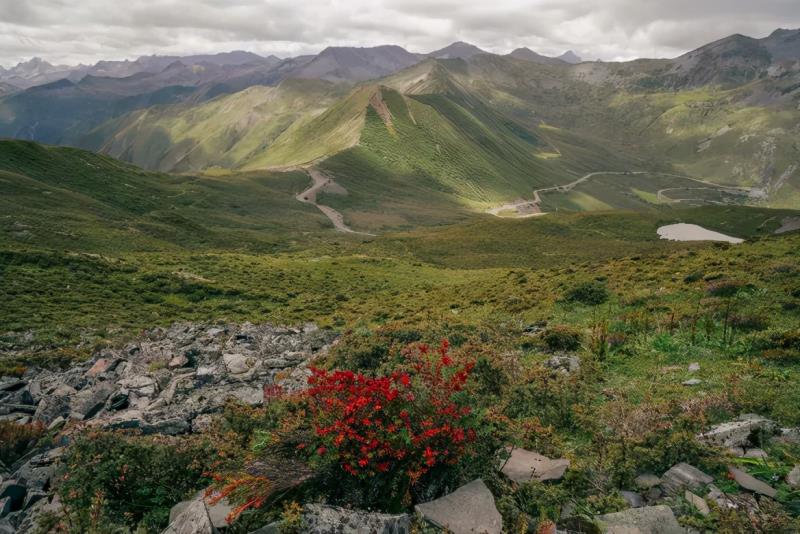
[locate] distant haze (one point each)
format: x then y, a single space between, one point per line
85 31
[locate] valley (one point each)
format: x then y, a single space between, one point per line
375 290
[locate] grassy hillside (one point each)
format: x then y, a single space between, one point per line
224 132
69 198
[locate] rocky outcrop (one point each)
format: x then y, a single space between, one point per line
524 466
168 378
647 520
745 432
169 381
467 510
193 519
323 519
682 477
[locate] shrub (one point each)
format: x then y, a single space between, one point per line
589 293
15 439
386 433
360 350
130 481
562 337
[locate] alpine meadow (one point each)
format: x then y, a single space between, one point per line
371 290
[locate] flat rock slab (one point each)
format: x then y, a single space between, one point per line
524 465
647 520
793 478
468 510
683 476
217 512
737 433
751 483
698 502
322 519
192 520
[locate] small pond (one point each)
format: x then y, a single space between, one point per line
693 232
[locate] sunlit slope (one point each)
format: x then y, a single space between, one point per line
223 132
73 199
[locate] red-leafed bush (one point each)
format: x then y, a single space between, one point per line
404 424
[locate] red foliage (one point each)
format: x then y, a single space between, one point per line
406 422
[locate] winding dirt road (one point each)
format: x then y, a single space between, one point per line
530 208
309 196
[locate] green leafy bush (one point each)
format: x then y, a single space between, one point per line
130 481
589 293
562 337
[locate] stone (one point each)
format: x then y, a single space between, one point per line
88 402
15 492
178 362
193 519
564 363
202 423
143 386
56 423
52 407
633 499
693 382
682 476
738 433
5 507
523 466
217 512
468 510
12 384
237 364
793 478
101 366
646 481
698 502
119 400
748 453
323 519
647 520
694 367
272 528
751 483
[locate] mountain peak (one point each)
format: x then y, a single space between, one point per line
457 50
570 57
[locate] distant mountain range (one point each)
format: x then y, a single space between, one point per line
334 63
471 126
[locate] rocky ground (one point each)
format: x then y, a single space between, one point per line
172 381
169 381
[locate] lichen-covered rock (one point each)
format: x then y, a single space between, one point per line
738 433
193 519
683 476
647 520
468 510
161 382
523 466
322 519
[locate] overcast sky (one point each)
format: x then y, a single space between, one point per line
71 31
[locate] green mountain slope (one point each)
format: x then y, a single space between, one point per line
70 198
223 132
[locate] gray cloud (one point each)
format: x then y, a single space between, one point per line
72 31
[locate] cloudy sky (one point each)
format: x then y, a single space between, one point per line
71 31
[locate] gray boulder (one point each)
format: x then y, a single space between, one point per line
751 483
793 478
323 519
523 466
683 476
468 510
738 433
633 499
647 520
193 519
